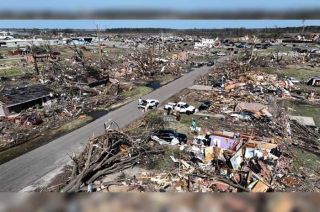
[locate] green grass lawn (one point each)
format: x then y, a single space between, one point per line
77 123
275 49
164 162
307 161
16 151
204 58
137 91
166 79
305 110
185 123
300 72
11 72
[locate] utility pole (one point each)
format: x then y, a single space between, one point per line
162 43
99 44
303 27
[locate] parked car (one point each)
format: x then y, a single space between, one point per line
210 63
168 135
181 107
204 105
148 103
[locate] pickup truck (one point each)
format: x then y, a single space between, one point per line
181 107
148 103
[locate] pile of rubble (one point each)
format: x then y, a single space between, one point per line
146 65
79 85
219 161
224 162
241 92
256 160
33 122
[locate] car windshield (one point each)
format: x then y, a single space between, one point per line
186 105
165 131
143 102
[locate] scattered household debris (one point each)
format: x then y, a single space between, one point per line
254 154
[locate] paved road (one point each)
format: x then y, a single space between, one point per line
30 168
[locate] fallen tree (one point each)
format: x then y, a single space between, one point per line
112 152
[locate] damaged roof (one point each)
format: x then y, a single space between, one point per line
25 94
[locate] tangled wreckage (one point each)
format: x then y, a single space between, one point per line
222 161
248 148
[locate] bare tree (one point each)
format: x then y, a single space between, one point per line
146 61
79 55
33 50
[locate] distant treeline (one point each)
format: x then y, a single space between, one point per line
227 32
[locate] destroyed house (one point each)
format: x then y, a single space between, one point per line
93 81
16 52
21 98
46 57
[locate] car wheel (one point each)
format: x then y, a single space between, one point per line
188 112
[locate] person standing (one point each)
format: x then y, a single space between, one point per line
178 116
194 125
